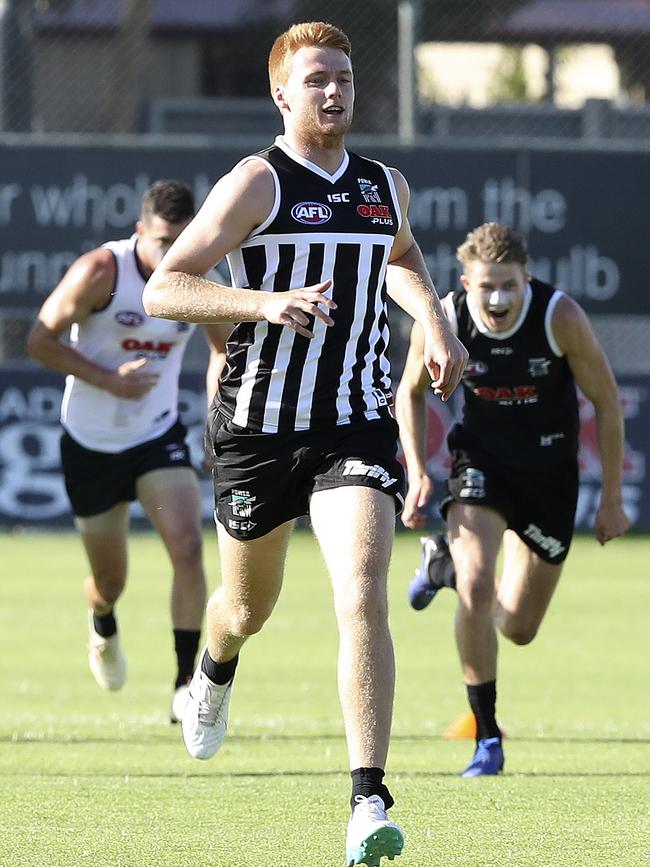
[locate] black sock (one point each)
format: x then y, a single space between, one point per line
105 624
186 645
219 672
482 700
442 572
367 782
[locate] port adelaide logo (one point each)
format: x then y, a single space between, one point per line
311 213
368 190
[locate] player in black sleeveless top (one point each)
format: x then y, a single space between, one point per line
315 238
514 476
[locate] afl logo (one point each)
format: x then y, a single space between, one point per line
311 213
475 368
129 318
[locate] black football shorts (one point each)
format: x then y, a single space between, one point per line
96 481
263 480
539 506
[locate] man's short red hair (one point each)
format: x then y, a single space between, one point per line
307 34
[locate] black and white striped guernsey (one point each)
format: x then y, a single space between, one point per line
339 227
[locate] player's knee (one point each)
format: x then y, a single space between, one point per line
515 631
476 592
244 622
363 598
239 619
185 549
109 587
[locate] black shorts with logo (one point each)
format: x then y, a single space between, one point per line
96 481
264 480
540 506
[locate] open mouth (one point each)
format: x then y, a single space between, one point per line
334 109
499 313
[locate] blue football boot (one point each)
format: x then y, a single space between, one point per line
487 760
421 591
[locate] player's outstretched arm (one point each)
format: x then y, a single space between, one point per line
411 411
86 286
237 204
409 284
595 379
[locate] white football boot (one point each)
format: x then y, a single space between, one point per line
205 718
105 658
179 702
371 834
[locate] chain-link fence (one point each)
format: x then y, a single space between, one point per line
531 112
439 68
538 73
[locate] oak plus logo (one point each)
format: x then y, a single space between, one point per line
311 213
518 395
148 348
376 213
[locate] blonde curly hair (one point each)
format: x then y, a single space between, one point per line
493 242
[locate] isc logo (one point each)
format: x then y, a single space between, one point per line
311 213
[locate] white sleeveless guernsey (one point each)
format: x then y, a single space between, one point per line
122 332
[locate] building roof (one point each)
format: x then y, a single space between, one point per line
186 15
577 20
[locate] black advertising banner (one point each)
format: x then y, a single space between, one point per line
32 491
583 212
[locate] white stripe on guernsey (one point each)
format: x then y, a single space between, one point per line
548 324
283 356
343 408
367 384
449 310
284 147
310 368
319 238
276 200
237 272
245 391
393 190
384 362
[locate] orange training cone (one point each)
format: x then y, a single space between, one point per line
462 728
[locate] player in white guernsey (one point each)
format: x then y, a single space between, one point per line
514 476
122 437
314 237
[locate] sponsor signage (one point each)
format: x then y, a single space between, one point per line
635 400
56 202
32 491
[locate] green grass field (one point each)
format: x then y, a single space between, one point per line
103 780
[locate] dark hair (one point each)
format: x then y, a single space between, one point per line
493 242
171 200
